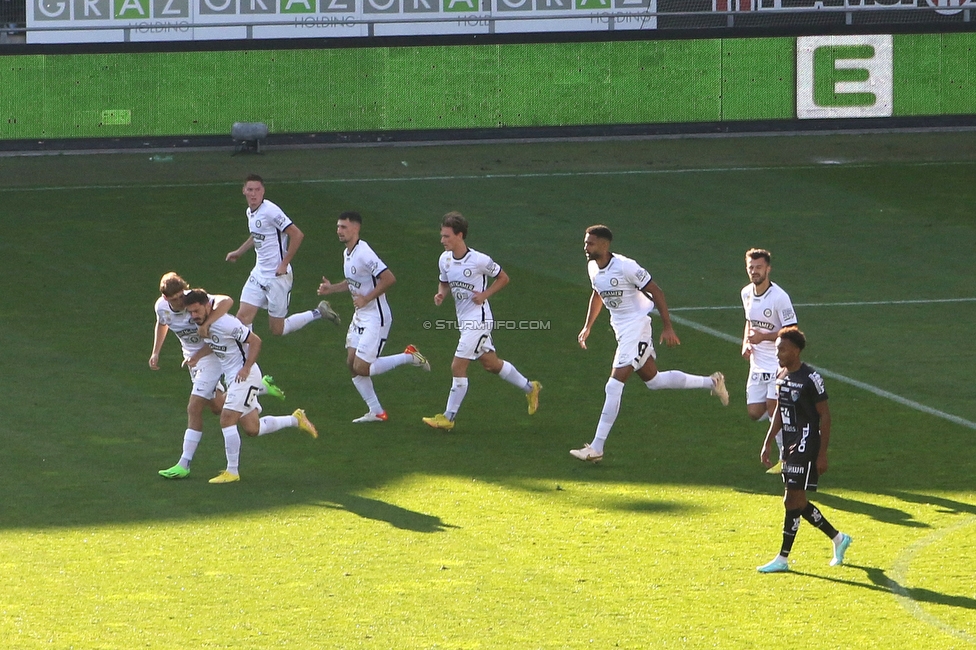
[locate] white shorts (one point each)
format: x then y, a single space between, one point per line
242 396
760 387
272 294
205 377
368 337
474 342
635 344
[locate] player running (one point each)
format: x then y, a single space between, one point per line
275 240
630 294
464 274
237 348
367 279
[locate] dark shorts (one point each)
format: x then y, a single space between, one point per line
800 472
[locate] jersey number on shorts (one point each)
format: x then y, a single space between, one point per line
641 349
252 392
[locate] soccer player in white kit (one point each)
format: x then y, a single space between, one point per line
768 309
464 274
630 294
237 348
171 316
275 240
367 280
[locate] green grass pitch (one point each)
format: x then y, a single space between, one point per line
492 536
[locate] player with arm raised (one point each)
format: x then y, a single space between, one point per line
803 417
275 240
629 293
237 348
367 279
464 274
768 309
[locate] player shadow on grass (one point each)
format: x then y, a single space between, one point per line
883 514
949 506
381 511
881 582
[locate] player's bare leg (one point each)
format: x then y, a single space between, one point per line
246 313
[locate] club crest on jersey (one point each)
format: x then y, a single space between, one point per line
767 312
467 273
353 269
795 395
257 223
614 282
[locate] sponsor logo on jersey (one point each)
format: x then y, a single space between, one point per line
353 283
612 293
818 383
789 315
761 324
458 284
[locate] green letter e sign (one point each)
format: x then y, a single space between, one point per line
843 76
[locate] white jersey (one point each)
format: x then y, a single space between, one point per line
619 284
466 277
180 323
228 340
362 268
267 225
769 312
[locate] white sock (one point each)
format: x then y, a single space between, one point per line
514 377
764 418
459 388
614 390
232 447
678 379
385 364
365 387
779 443
190 441
298 321
272 423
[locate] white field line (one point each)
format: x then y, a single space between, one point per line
899 576
837 304
880 392
462 177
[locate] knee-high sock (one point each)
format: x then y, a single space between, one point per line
272 423
298 321
385 364
514 377
232 447
611 405
365 387
815 517
459 388
678 379
191 438
791 524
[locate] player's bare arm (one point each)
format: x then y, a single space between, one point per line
221 306
234 255
295 237
746 345
253 350
386 280
159 335
443 291
668 335
497 285
592 311
774 427
824 412
195 359
326 287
